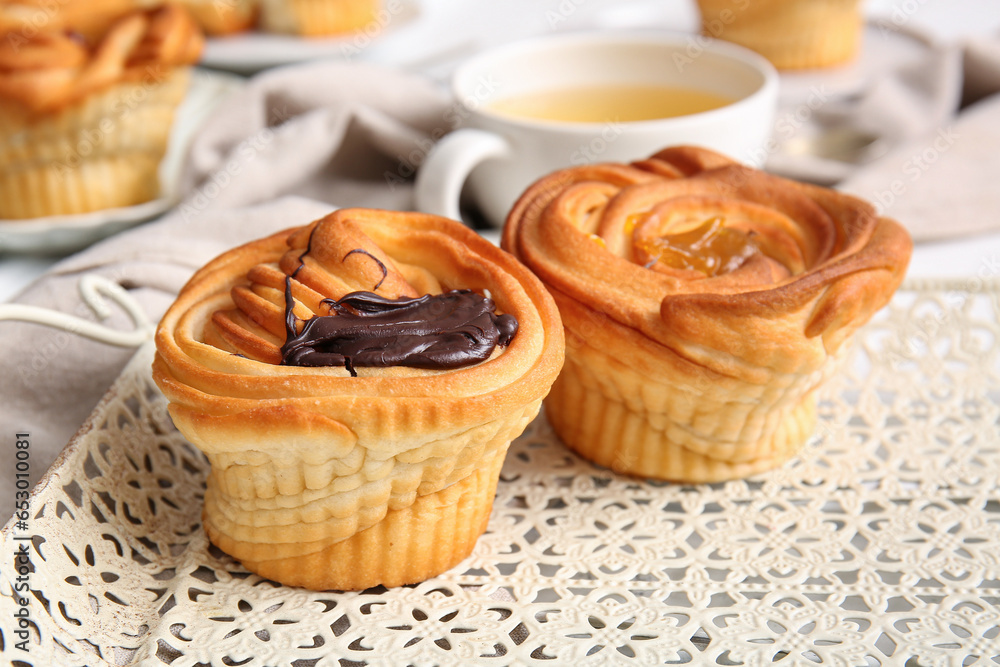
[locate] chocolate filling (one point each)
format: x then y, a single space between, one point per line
441 331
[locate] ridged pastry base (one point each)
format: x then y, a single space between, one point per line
792 34
672 427
101 153
317 17
309 536
409 545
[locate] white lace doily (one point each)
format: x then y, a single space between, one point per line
879 545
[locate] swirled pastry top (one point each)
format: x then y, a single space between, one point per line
724 264
220 346
50 70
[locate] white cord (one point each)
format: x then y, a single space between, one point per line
93 289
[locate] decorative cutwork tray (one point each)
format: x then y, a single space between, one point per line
880 545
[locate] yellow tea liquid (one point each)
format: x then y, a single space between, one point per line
608 103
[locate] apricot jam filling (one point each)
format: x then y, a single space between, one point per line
710 248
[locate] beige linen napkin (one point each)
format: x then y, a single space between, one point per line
357 132
348 134
942 182
926 146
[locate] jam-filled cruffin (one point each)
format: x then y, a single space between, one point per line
704 303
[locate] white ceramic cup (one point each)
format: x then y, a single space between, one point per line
501 155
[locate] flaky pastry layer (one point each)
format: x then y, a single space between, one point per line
306 458
676 373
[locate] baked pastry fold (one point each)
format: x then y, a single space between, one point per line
325 480
703 301
84 127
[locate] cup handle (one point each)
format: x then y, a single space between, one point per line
449 163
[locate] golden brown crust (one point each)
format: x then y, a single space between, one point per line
48 71
305 458
761 334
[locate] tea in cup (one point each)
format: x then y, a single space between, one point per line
533 107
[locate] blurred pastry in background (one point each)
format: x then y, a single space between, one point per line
314 18
21 20
92 18
792 34
84 124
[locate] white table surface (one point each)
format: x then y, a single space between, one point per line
477 24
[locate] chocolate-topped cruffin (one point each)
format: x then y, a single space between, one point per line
704 303
355 384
